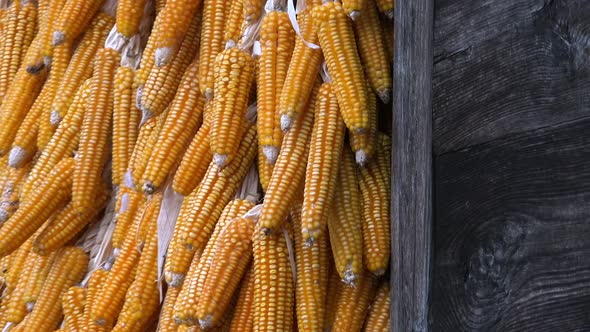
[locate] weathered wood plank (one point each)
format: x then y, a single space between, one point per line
503 67
513 234
412 165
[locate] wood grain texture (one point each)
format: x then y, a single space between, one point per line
412 166
504 67
513 234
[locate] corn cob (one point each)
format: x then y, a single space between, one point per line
332 295
265 169
288 173
378 318
175 20
162 83
363 145
73 303
354 8
11 189
353 303
375 185
181 123
312 276
344 222
149 216
92 153
234 23
60 59
322 165
125 122
4 300
5 263
81 66
68 269
204 206
387 27
371 46
25 141
232 256
253 10
47 24
234 72
214 17
52 194
17 34
36 277
17 263
301 75
337 41
273 282
66 224
277 40
125 218
195 161
187 297
73 19
63 143
146 64
129 13
140 164
17 102
93 288
166 322
16 309
243 319
386 7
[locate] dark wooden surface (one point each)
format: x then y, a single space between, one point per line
511 136
412 165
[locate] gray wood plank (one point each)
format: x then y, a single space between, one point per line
412 165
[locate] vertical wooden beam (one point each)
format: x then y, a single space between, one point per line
412 166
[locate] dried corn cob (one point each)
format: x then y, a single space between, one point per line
16 309
166 322
24 145
36 277
149 216
73 19
73 303
277 39
375 185
214 17
386 7
183 118
11 189
371 46
19 257
378 318
353 303
234 71
92 153
387 27
140 164
325 151
337 41
125 217
47 24
234 23
312 276
129 13
243 319
93 288
253 10
363 145
51 195
187 298
333 293
344 222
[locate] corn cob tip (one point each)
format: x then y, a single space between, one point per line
230 44
361 157
30 306
389 14
58 38
271 153
286 122
138 96
163 56
47 60
4 215
354 15
148 187
54 119
220 159
384 95
17 157
175 279
205 323
100 322
145 116
208 94
36 68
349 276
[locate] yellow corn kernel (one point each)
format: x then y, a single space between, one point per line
301 75
174 20
353 303
386 7
206 203
371 46
181 123
289 172
67 270
344 222
234 23
93 287
195 161
73 19
338 44
11 190
92 153
277 40
166 322
162 82
273 282
139 165
18 31
334 288
375 185
63 143
125 216
60 60
52 194
354 8
129 14
214 18
253 10
312 276
81 66
234 71
325 150
125 122
363 144
66 224
36 277
232 256
378 318
73 303
243 319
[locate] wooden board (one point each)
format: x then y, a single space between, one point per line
412 166
513 234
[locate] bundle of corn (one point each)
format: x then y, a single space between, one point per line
189 165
